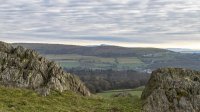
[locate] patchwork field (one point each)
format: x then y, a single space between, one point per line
79 61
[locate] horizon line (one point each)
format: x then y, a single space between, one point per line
94 45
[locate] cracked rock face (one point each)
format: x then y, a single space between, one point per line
172 90
20 67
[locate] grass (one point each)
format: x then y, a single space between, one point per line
135 92
23 100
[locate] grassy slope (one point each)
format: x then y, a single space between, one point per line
23 100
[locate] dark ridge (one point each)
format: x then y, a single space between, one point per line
102 51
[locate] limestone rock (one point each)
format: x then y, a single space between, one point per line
20 67
172 90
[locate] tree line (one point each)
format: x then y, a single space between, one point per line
102 80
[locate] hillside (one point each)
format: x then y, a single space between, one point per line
100 51
25 68
23 100
115 57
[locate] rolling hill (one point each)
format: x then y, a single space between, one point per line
114 57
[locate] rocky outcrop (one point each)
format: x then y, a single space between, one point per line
25 68
172 90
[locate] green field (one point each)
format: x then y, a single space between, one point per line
134 92
23 100
93 62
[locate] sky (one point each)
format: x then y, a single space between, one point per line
129 23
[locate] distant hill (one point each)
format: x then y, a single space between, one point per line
115 57
102 51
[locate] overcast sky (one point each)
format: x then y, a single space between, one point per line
135 23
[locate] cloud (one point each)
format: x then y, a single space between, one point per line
133 21
120 1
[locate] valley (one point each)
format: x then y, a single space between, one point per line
104 68
30 82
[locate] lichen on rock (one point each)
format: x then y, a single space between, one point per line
172 90
25 68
